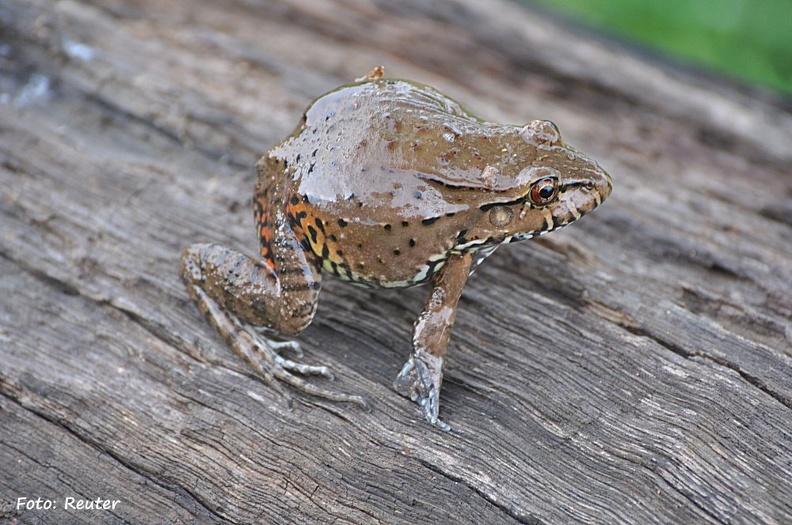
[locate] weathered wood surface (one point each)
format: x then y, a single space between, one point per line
633 368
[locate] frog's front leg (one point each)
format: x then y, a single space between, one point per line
422 375
244 298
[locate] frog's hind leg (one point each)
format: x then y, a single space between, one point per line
242 298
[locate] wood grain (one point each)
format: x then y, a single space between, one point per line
635 368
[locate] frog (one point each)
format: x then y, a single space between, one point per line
384 183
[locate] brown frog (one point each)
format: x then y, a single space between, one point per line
385 183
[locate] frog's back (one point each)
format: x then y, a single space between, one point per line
355 178
385 179
365 142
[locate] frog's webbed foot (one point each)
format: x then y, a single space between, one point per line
262 354
420 380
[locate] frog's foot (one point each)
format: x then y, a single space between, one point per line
420 380
262 354
277 344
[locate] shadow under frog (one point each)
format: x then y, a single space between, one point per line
385 183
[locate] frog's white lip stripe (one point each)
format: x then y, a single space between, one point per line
468 244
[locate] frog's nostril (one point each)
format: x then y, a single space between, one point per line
605 185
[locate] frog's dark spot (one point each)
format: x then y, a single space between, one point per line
333 237
412 243
297 159
295 200
351 195
305 244
285 164
342 223
429 221
461 236
312 232
299 287
340 253
301 215
330 115
315 151
319 224
325 251
360 245
387 227
305 198
360 265
418 195
396 252
290 271
311 167
405 224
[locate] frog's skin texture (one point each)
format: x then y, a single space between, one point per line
385 183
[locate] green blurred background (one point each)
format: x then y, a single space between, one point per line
747 39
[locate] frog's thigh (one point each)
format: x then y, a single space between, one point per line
234 291
250 290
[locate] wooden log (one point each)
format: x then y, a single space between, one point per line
633 368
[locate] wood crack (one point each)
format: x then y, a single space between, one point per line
688 354
74 432
526 520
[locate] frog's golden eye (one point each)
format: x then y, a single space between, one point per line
543 191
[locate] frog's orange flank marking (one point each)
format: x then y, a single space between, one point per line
264 223
313 231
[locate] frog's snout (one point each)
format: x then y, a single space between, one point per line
603 184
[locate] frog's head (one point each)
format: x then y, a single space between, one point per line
546 186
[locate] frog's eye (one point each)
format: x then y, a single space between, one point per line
543 191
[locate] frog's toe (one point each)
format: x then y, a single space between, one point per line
309 388
275 344
304 369
421 383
